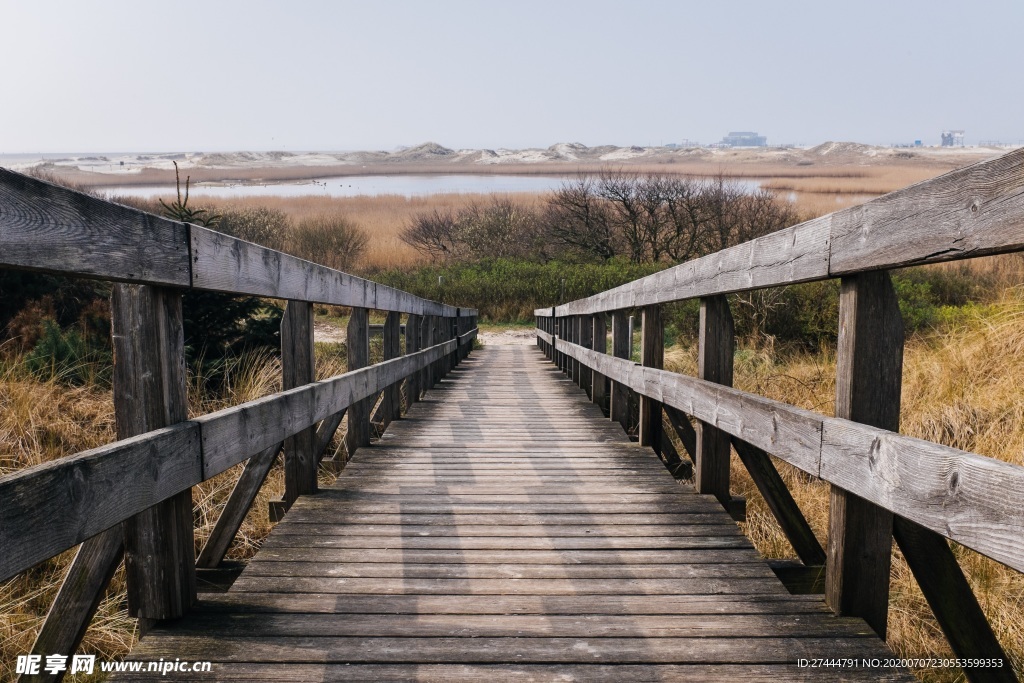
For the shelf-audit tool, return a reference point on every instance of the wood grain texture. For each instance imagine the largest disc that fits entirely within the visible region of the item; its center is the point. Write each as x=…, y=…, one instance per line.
x=599, y=343
x=56, y=505
x=967, y=498
x=53, y=229
x=487, y=526
x=237, y=507
x=780, y=501
x=57, y=230
x=951, y=598
x=714, y=364
x=80, y=594
x=298, y=369
x=392, y=404
x=225, y=264
x=358, y=346
x=968, y=212
x=869, y=363
x=791, y=255
x=652, y=355
x=149, y=387
x=619, y=406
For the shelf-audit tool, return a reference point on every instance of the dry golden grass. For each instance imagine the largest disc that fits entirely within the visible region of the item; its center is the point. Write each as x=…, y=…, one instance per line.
x=382, y=217
x=43, y=421
x=960, y=388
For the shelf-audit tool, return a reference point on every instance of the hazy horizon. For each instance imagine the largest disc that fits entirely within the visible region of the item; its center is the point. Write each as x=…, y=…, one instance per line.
x=122, y=77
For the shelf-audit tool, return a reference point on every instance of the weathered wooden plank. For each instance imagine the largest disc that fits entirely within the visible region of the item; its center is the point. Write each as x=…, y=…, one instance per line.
x=225, y=264
x=53, y=229
x=714, y=557
x=467, y=529
x=471, y=572
x=967, y=498
x=549, y=650
x=392, y=404
x=952, y=600
x=619, y=409
x=652, y=355
x=505, y=586
x=150, y=393
x=487, y=673
x=237, y=507
x=298, y=369
x=796, y=254
x=714, y=363
x=497, y=543
x=304, y=603
x=78, y=599
x=524, y=626
x=968, y=212
x=780, y=501
x=56, y=505
x=869, y=363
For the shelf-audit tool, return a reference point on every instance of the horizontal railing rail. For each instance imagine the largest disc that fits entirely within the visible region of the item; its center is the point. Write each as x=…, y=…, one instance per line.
x=974, y=211
x=48, y=228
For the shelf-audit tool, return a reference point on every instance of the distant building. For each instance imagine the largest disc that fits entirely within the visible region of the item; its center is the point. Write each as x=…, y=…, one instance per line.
x=952, y=138
x=742, y=138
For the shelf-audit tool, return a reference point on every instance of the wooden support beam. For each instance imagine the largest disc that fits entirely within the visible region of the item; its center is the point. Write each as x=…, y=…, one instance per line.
x=237, y=507
x=799, y=579
x=358, y=434
x=412, y=345
x=150, y=393
x=952, y=601
x=392, y=405
x=652, y=355
x=620, y=349
x=714, y=362
x=78, y=599
x=298, y=368
x=779, y=500
x=586, y=332
x=599, y=337
x=869, y=364
x=684, y=430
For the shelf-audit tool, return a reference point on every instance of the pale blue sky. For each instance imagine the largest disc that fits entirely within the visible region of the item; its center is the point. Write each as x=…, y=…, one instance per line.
x=199, y=76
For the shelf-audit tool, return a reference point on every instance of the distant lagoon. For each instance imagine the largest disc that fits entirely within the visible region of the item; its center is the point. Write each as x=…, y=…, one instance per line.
x=407, y=185
x=354, y=186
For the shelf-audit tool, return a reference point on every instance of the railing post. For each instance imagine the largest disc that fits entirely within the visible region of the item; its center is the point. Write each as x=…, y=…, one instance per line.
x=619, y=409
x=392, y=349
x=869, y=364
x=412, y=345
x=714, y=363
x=358, y=342
x=150, y=393
x=599, y=342
x=652, y=355
x=586, y=333
x=426, y=340
x=298, y=367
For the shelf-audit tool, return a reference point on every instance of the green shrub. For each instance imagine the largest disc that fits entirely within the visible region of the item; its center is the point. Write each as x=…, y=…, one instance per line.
x=66, y=356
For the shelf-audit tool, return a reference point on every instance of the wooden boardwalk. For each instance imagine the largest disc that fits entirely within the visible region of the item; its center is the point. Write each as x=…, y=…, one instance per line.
x=506, y=530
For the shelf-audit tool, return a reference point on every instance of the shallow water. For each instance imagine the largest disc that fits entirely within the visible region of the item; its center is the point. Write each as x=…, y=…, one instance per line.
x=353, y=186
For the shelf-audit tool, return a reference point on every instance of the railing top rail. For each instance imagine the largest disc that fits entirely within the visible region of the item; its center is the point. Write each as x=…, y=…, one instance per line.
x=973, y=211
x=48, y=228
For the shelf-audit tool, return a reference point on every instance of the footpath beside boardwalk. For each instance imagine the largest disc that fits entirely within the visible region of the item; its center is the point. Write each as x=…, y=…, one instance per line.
x=506, y=530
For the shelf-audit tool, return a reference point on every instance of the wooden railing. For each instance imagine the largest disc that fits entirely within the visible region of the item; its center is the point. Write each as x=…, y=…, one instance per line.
x=884, y=485
x=132, y=498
